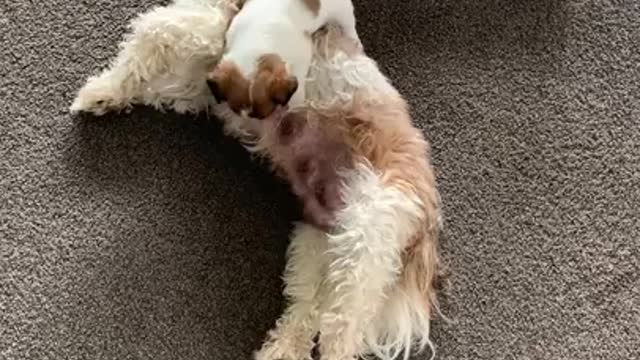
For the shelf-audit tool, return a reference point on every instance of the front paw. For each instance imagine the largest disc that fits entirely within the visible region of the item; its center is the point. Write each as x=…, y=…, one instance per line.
x=98, y=97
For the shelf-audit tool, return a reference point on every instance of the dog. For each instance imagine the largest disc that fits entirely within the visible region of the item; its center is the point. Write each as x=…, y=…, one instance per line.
x=364, y=270
x=268, y=52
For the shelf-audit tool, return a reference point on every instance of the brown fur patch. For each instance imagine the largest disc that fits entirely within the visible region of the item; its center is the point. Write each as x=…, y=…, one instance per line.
x=272, y=86
x=383, y=134
x=313, y=5
x=227, y=84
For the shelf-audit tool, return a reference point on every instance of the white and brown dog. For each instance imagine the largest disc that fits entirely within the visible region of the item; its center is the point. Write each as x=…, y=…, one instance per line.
x=268, y=52
x=362, y=270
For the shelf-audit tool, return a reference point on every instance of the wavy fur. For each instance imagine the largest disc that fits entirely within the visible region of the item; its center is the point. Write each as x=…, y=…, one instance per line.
x=163, y=60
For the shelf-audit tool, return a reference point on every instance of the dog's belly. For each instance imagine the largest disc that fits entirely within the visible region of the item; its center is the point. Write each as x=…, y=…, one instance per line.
x=311, y=161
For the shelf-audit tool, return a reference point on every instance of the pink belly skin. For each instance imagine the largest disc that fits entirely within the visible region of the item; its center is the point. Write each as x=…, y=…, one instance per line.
x=311, y=161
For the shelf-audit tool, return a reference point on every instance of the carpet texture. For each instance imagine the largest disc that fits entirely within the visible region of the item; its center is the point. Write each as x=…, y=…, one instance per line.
x=152, y=236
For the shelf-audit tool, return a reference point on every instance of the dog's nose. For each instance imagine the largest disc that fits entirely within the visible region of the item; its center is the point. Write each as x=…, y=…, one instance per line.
x=256, y=115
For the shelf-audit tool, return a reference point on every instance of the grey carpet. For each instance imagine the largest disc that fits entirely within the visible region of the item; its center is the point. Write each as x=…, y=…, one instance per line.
x=152, y=236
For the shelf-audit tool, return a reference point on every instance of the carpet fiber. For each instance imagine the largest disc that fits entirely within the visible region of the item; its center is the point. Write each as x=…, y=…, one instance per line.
x=152, y=236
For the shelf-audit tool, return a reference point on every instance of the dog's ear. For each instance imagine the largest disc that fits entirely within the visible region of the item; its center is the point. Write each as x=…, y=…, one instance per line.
x=282, y=89
x=272, y=86
x=227, y=84
x=262, y=104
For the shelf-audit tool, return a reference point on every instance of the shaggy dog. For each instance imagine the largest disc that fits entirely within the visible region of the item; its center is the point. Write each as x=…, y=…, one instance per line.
x=364, y=276
x=362, y=271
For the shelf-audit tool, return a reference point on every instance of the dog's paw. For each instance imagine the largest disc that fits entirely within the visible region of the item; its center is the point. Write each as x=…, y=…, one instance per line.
x=282, y=350
x=98, y=97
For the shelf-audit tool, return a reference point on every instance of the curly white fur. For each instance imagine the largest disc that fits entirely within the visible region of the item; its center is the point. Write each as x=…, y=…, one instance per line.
x=163, y=60
x=364, y=263
x=335, y=75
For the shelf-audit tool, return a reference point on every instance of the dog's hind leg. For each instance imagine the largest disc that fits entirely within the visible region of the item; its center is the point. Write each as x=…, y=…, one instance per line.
x=365, y=262
x=292, y=338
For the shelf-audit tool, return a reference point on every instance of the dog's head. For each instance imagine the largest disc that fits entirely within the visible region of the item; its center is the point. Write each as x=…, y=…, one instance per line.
x=271, y=86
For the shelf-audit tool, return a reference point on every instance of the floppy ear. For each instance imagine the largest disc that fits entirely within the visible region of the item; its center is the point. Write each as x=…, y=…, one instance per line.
x=283, y=89
x=262, y=104
x=228, y=85
x=272, y=86
x=268, y=91
x=215, y=81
